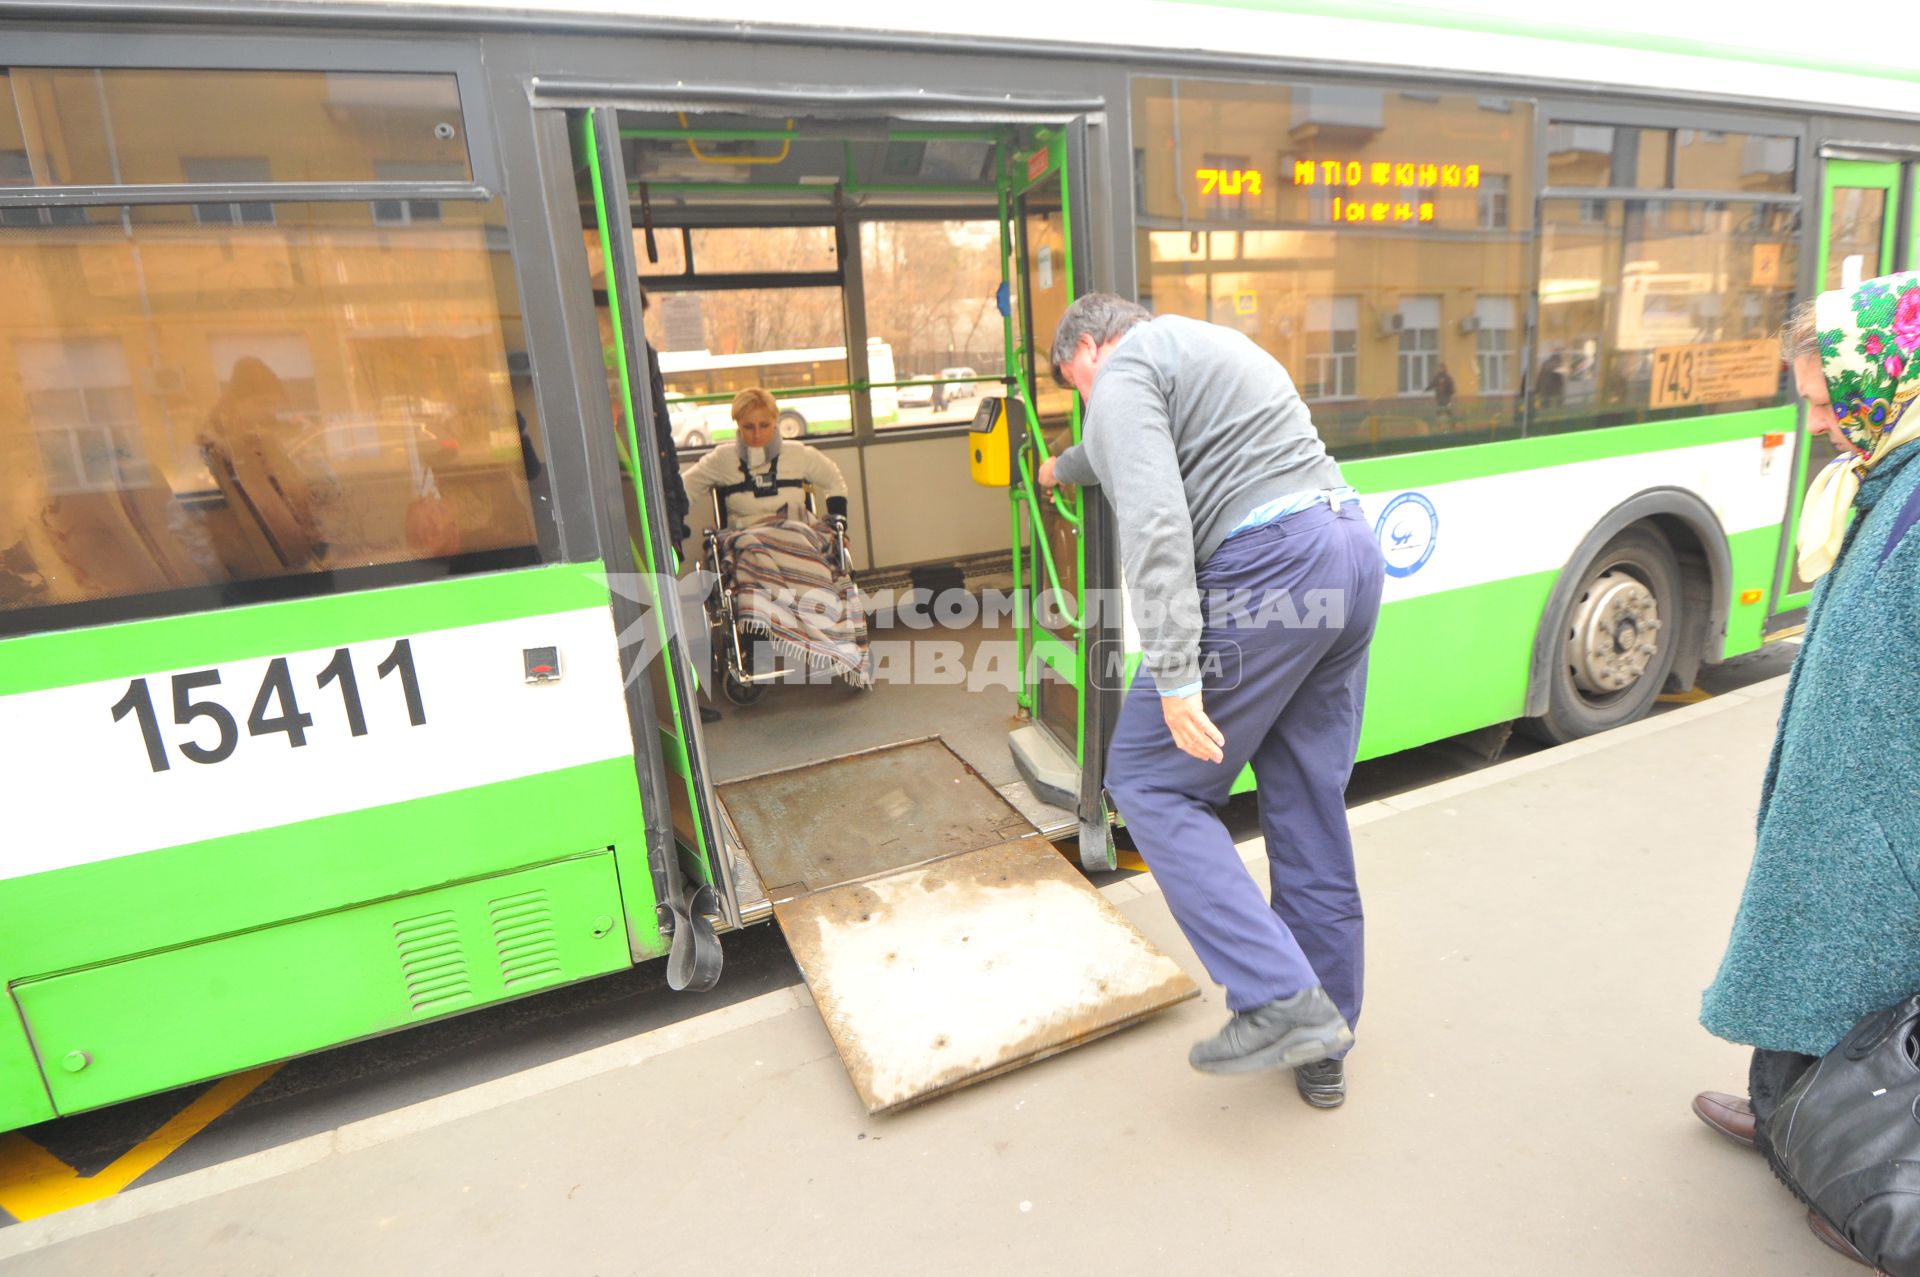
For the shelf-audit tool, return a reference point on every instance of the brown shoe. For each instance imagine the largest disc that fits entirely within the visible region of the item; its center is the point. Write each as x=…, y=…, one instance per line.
x=1818, y=1225
x=1730, y=1115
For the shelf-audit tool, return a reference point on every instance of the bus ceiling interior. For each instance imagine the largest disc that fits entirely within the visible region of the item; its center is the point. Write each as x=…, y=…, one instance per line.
x=852, y=268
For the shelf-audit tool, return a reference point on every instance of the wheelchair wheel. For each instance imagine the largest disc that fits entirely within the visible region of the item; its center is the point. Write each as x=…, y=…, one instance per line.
x=732, y=686
x=739, y=693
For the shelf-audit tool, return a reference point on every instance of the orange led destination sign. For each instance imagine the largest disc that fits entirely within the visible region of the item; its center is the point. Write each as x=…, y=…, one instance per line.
x=1228, y=181
x=1353, y=176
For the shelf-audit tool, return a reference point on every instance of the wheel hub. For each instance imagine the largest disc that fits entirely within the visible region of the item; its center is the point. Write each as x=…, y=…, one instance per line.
x=1613, y=634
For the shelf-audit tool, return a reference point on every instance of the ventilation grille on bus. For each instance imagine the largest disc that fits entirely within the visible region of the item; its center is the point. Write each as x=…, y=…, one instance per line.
x=524, y=937
x=432, y=964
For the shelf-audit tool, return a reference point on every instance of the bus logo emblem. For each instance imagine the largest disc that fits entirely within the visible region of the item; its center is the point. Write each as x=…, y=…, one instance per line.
x=1407, y=530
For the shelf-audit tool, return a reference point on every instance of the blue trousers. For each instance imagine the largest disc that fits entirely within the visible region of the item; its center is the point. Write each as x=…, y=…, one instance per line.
x=1285, y=672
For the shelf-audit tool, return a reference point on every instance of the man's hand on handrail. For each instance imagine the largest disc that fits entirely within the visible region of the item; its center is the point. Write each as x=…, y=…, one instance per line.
x=1045, y=477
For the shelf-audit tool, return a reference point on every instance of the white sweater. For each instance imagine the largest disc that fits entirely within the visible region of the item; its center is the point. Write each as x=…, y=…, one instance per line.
x=721, y=468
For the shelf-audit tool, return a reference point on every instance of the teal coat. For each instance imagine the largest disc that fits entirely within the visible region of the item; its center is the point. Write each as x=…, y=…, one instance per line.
x=1829, y=926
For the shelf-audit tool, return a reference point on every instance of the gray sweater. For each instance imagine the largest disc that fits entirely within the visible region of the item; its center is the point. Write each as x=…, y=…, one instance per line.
x=1190, y=428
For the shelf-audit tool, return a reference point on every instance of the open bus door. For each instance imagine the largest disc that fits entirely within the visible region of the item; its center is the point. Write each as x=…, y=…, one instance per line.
x=1062, y=541
x=1862, y=236
x=693, y=872
x=943, y=937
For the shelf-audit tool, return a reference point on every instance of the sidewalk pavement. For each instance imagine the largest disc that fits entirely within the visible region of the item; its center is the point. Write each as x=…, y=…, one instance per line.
x=1539, y=936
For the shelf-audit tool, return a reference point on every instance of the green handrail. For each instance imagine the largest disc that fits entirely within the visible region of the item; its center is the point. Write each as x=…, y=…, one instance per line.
x=1040, y=539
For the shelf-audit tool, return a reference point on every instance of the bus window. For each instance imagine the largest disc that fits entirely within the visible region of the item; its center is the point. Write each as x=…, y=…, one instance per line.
x=1375, y=242
x=773, y=250
x=1639, y=297
x=930, y=295
x=715, y=343
x=669, y=246
x=135, y=126
x=210, y=403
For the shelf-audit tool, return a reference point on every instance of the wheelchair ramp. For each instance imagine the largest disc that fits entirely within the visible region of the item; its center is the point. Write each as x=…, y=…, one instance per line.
x=943, y=940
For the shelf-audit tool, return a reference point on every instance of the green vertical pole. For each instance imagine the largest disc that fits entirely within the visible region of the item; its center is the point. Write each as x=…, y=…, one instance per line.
x=1023, y=614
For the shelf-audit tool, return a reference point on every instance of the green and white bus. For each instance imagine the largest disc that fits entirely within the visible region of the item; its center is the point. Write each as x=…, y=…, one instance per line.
x=338, y=689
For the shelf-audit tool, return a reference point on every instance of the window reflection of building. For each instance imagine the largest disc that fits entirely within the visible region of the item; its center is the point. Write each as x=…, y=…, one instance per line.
x=1493, y=201
x=1453, y=284
x=1496, y=344
x=215, y=390
x=79, y=398
x=1332, y=347
x=1315, y=267
x=1419, y=343
x=230, y=169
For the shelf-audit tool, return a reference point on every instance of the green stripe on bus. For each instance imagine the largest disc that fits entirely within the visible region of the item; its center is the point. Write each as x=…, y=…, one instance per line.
x=1509, y=456
x=36, y=662
x=84, y=914
x=1384, y=11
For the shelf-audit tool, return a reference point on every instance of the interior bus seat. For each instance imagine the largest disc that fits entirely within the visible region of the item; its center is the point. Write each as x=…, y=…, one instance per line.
x=269, y=498
x=115, y=541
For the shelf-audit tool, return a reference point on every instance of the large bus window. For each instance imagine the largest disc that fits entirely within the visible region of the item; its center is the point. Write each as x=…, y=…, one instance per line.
x=1608, y=155
x=199, y=403
x=1373, y=241
x=669, y=254
x=73, y=126
x=772, y=250
x=1659, y=308
x=1704, y=160
x=712, y=345
x=930, y=296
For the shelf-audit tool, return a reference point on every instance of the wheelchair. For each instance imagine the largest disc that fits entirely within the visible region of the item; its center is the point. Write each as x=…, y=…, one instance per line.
x=733, y=646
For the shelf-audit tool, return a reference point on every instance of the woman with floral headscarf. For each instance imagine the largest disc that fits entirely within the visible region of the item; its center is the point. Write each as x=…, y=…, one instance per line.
x=1829, y=926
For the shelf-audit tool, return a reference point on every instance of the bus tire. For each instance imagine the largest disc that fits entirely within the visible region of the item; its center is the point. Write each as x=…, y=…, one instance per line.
x=1617, y=636
x=694, y=439
x=792, y=424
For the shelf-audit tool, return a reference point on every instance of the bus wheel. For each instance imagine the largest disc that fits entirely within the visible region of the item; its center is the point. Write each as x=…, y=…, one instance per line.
x=1617, y=635
x=694, y=439
x=792, y=424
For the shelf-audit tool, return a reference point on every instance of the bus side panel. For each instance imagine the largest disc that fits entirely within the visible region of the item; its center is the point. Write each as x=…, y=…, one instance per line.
x=1453, y=662
x=1754, y=555
x=124, y=1029
x=23, y=1092
x=115, y=858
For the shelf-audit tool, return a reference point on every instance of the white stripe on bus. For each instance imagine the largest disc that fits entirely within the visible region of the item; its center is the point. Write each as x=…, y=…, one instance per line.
x=90, y=792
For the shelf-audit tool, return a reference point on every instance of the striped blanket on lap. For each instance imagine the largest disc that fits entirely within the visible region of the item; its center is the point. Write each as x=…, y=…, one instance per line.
x=785, y=588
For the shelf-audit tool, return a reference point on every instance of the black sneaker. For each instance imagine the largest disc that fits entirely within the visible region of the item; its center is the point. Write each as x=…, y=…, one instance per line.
x=1323, y=1085
x=1283, y=1033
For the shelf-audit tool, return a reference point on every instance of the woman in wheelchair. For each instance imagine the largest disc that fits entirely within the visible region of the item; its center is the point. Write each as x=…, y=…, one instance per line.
x=759, y=474
x=785, y=578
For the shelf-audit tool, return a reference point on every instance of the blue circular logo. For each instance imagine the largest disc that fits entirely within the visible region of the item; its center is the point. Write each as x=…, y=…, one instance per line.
x=1406, y=531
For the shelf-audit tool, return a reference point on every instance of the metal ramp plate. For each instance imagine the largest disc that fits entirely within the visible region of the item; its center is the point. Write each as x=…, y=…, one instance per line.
x=943, y=939
x=822, y=824
x=935, y=977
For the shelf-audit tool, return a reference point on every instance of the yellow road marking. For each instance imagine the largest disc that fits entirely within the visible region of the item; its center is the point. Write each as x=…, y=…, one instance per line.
x=33, y=1182
x=1693, y=697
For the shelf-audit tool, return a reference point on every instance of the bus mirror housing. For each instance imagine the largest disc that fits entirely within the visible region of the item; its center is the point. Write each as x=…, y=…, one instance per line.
x=990, y=440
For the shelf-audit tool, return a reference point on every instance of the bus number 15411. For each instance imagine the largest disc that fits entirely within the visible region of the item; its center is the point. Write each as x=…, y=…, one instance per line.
x=275, y=709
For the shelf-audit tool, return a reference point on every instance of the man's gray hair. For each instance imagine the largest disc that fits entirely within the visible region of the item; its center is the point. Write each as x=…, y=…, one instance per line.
x=1101, y=316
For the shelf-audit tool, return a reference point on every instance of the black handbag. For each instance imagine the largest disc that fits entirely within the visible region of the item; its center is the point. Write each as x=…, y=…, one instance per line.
x=1847, y=1137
